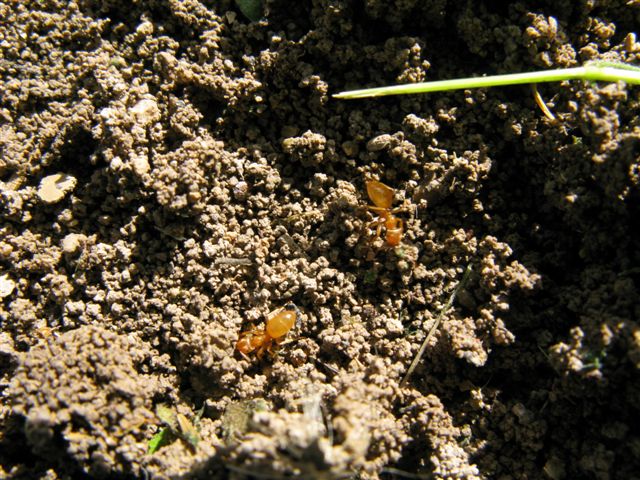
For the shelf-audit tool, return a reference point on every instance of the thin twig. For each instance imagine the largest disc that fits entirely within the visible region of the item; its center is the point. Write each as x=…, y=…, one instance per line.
x=435, y=325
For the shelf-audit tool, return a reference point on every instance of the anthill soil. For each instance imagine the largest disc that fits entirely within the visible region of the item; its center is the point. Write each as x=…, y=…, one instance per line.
x=206, y=178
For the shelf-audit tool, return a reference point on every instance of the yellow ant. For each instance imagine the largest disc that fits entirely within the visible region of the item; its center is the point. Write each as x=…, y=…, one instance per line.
x=269, y=337
x=382, y=197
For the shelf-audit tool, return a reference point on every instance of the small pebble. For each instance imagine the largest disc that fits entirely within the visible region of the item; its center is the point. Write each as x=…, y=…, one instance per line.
x=146, y=111
x=6, y=286
x=72, y=242
x=53, y=188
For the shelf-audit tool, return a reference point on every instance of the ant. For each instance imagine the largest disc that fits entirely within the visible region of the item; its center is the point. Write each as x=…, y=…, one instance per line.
x=267, y=339
x=382, y=197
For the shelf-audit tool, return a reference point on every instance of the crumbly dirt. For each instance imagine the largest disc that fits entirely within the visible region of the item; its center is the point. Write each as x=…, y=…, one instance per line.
x=210, y=179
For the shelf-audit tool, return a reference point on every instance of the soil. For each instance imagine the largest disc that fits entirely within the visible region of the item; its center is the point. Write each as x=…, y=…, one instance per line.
x=172, y=172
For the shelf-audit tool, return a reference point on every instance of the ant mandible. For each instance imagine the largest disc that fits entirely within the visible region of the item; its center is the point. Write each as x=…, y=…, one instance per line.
x=382, y=197
x=269, y=337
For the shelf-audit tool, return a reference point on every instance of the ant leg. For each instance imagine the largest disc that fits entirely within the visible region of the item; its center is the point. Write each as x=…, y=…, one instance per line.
x=379, y=230
x=405, y=207
x=378, y=223
x=377, y=209
x=272, y=347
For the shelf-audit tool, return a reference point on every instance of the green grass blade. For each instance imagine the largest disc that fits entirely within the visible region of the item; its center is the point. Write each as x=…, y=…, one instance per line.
x=162, y=438
x=595, y=71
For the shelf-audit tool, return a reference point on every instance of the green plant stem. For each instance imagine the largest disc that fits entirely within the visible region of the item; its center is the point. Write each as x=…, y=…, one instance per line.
x=594, y=71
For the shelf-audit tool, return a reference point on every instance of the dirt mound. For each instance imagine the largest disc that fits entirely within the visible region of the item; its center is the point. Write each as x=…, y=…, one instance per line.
x=172, y=172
